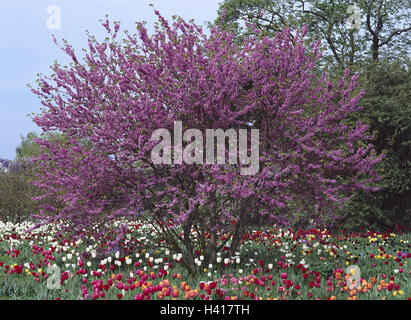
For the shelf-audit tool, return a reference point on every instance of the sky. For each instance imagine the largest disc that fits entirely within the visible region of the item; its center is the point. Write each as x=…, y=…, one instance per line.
x=27, y=48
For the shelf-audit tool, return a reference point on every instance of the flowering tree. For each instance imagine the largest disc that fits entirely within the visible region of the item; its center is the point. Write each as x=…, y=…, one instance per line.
x=108, y=107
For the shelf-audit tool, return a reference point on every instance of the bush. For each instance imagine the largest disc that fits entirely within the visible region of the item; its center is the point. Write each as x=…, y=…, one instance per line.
x=16, y=190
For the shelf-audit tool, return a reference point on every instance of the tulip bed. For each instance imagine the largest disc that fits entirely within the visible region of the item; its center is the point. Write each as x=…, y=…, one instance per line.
x=273, y=263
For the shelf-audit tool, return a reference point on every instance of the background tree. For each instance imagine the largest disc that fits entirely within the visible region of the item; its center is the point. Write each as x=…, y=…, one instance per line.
x=385, y=26
x=387, y=110
x=16, y=190
x=28, y=148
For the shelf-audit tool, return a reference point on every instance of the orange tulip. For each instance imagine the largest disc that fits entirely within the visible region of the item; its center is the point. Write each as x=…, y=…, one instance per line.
x=183, y=285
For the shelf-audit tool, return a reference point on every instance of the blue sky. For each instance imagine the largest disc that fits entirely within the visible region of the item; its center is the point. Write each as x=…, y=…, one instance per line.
x=26, y=46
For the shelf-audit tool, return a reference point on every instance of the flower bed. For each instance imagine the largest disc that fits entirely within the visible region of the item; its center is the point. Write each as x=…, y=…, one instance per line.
x=270, y=264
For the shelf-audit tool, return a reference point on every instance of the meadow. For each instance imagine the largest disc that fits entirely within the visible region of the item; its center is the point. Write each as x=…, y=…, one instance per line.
x=271, y=263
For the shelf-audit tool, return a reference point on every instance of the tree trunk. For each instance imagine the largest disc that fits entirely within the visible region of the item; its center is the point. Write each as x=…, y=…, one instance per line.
x=189, y=260
x=238, y=233
x=375, y=47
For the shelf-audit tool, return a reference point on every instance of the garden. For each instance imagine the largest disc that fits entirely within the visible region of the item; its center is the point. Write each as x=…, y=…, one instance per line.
x=272, y=264
x=87, y=214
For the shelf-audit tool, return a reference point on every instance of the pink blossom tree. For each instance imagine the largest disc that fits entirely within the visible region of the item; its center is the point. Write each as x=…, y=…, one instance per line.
x=108, y=106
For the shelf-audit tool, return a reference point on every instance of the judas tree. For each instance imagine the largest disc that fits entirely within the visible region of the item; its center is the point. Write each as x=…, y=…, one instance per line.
x=109, y=105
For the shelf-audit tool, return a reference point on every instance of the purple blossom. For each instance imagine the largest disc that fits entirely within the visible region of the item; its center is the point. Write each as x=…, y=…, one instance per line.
x=308, y=160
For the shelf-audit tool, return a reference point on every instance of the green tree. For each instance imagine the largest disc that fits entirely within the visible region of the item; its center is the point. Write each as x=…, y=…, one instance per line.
x=384, y=26
x=387, y=109
x=27, y=148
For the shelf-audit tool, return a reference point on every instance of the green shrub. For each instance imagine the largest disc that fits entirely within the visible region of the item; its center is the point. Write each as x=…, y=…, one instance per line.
x=16, y=191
